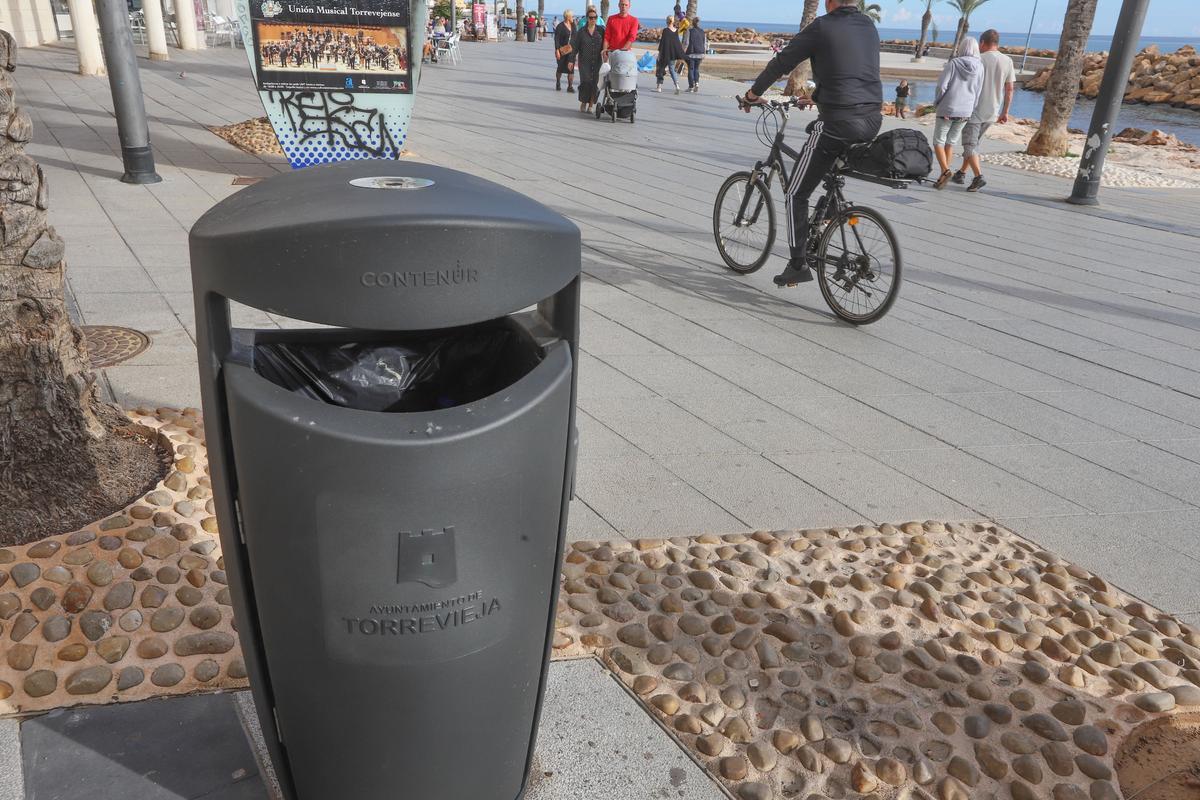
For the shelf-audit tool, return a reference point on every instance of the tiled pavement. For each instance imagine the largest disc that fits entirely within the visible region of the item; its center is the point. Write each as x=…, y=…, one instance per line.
x=1042, y=366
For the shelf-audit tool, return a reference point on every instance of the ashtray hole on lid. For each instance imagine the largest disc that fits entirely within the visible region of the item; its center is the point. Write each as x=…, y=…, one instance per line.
x=391, y=182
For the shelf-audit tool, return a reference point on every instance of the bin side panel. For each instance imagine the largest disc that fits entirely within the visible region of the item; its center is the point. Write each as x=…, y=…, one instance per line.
x=403, y=582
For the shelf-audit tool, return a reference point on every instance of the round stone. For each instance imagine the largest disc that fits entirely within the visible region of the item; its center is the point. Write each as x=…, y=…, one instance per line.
x=1072, y=712
x=20, y=656
x=188, y=595
x=160, y=547
x=205, y=617
x=100, y=573
x=44, y=549
x=130, y=677
x=1091, y=739
x=23, y=626
x=206, y=670
x=119, y=596
x=1047, y=727
x=76, y=598
x=129, y=558
x=56, y=628
x=40, y=683
x=237, y=669
x=1059, y=758
x=130, y=621
x=89, y=680
x=42, y=597
x=1155, y=702
x=153, y=596
x=734, y=768
x=151, y=648
x=166, y=619
x=95, y=624
x=25, y=573
x=753, y=790
x=762, y=755
x=167, y=675
x=113, y=649
x=977, y=727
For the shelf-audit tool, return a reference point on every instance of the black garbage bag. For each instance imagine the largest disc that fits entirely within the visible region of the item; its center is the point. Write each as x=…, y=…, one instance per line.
x=416, y=372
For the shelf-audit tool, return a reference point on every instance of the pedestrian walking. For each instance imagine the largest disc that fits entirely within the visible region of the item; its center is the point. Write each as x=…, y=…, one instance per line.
x=588, y=46
x=999, y=83
x=902, y=92
x=670, y=50
x=694, y=48
x=564, y=56
x=531, y=23
x=957, y=95
x=620, y=32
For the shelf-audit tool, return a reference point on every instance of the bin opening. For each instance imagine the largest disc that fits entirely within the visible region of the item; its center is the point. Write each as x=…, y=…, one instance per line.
x=404, y=372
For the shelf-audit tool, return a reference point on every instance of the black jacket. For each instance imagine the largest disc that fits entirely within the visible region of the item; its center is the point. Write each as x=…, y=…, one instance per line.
x=695, y=45
x=844, y=48
x=669, y=48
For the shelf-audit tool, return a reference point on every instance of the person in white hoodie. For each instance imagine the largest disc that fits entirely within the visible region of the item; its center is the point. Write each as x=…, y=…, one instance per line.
x=958, y=92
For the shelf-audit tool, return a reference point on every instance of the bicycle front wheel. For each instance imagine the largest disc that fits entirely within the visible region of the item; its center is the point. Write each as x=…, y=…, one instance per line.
x=859, y=265
x=744, y=222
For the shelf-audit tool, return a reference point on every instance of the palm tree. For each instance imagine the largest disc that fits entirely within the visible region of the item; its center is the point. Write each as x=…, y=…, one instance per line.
x=604, y=9
x=926, y=21
x=965, y=8
x=872, y=10
x=1051, y=137
x=691, y=9
x=800, y=74
x=520, y=20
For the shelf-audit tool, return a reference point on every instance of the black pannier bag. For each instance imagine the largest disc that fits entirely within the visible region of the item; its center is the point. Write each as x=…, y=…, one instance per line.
x=902, y=154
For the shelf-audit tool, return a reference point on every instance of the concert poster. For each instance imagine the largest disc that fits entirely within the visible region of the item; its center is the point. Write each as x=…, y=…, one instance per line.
x=358, y=46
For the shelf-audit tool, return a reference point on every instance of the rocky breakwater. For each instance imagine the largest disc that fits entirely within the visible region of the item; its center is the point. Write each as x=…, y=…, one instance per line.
x=717, y=36
x=1170, y=79
x=1012, y=51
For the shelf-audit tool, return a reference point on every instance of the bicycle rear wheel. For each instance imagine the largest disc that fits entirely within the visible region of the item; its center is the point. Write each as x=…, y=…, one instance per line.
x=744, y=240
x=859, y=265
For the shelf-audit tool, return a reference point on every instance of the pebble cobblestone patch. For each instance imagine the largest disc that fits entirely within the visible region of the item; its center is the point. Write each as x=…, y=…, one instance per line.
x=933, y=660
x=130, y=607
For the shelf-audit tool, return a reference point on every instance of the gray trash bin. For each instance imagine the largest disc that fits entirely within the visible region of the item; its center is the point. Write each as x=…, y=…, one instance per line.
x=393, y=572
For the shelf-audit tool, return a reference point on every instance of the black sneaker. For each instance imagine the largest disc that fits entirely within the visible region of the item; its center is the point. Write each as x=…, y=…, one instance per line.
x=570, y=90
x=796, y=271
x=977, y=184
x=960, y=178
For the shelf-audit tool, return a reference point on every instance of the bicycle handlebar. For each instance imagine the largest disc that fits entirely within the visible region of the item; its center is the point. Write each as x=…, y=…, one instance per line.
x=792, y=102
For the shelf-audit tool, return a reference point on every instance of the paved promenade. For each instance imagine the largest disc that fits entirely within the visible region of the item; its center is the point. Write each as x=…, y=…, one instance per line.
x=1042, y=367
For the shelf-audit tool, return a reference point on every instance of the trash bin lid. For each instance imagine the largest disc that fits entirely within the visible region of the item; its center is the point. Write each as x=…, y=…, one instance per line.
x=384, y=245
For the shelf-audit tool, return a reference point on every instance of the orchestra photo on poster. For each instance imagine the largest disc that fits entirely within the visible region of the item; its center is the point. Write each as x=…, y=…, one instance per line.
x=360, y=47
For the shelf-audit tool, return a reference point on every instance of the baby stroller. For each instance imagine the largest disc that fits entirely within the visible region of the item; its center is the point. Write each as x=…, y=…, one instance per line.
x=618, y=86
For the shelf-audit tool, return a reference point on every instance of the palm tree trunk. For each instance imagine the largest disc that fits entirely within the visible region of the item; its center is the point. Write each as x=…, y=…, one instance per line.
x=63, y=459
x=691, y=10
x=604, y=6
x=926, y=20
x=520, y=20
x=1051, y=138
x=541, y=9
x=801, y=73
x=964, y=25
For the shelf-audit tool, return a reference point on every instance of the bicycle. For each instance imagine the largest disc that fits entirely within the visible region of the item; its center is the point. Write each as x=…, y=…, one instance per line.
x=853, y=248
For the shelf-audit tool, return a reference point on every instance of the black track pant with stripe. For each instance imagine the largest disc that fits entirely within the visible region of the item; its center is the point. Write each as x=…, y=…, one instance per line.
x=827, y=139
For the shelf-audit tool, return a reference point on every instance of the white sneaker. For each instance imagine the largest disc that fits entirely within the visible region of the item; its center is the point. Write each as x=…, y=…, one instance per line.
x=658, y=89
x=676, y=90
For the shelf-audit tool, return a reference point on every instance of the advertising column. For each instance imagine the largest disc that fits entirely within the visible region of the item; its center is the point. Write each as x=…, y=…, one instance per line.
x=336, y=80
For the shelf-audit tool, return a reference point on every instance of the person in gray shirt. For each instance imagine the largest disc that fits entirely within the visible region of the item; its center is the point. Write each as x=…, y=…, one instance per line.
x=999, y=83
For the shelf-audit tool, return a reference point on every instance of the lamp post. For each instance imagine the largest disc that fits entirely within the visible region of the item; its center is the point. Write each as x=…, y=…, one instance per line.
x=1029, y=36
x=126, y=85
x=1108, y=103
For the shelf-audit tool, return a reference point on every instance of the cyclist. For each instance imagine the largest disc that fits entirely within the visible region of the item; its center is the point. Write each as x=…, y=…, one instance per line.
x=843, y=46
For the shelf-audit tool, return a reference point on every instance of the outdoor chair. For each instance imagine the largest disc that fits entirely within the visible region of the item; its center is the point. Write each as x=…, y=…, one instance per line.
x=448, y=48
x=221, y=29
x=137, y=25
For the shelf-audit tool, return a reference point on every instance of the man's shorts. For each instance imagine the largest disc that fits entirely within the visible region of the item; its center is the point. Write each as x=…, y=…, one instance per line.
x=948, y=130
x=972, y=135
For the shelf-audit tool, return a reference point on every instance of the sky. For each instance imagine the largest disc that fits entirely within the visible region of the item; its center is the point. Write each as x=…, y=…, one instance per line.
x=1165, y=18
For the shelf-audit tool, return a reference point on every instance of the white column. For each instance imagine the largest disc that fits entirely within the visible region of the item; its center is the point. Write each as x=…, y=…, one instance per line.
x=87, y=37
x=185, y=22
x=156, y=32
